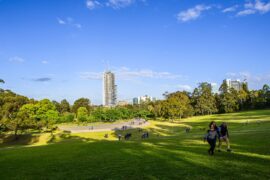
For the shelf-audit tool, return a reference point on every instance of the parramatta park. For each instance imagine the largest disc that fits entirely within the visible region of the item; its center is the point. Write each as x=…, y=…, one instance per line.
x=134, y=90
x=165, y=139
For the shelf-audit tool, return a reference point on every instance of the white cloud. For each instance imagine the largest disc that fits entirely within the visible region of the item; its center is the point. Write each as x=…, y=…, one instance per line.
x=44, y=62
x=16, y=59
x=91, y=75
x=262, y=7
x=119, y=3
x=192, y=13
x=184, y=87
x=246, y=12
x=230, y=9
x=92, y=4
x=255, y=7
x=115, y=4
x=69, y=22
x=125, y=73
x=60, y=21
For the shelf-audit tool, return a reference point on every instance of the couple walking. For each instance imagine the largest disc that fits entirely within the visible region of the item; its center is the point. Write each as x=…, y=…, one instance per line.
x=221, y=133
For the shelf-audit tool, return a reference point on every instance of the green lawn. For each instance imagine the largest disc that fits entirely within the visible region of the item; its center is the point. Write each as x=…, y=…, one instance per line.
x=169, y=153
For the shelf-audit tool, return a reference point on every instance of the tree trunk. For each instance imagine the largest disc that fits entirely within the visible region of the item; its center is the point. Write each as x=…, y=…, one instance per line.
x=16, y=133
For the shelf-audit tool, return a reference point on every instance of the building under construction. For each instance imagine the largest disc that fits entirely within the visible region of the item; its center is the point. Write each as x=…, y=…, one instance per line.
x=109, y=89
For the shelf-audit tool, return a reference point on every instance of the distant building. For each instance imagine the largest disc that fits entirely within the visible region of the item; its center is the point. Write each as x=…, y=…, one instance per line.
x=142, y=99
x=122, y=103
x=135, y=101
x=235, y=84
x=109, y=89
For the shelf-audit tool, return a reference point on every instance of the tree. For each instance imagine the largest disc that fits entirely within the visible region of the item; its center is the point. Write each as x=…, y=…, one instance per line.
x=82, y=114
x=10, y=103
x=177, y=105
x=64, y=106
x=228, y=101
x=20, y=120
x=46, y=113
x=224, y=88
x=203, y=99
x=82, y=102
x=266, y=94
x=57, y=106
x=242, y=97
x=2, y=81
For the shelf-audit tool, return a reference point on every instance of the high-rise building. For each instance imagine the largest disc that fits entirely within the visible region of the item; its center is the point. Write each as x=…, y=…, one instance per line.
x=109, y=89
x=235, y=84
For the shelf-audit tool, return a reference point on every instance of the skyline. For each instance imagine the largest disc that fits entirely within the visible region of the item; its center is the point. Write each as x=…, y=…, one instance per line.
x=59, y=49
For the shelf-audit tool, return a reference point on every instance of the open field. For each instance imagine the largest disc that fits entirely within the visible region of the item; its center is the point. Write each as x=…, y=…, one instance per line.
x=169, y=153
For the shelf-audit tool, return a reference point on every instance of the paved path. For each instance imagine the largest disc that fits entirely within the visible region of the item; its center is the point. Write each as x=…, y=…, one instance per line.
x=136, y=123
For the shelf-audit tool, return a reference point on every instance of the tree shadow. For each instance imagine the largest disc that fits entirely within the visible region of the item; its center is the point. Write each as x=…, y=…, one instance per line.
x=74, y=157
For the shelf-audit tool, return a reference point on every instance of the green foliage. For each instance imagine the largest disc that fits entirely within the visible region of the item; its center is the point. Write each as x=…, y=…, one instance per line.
x=67, y=117
x=64, y=106
x=203, y=100
x=44, y=113
x=82, y=102
x=82, y=114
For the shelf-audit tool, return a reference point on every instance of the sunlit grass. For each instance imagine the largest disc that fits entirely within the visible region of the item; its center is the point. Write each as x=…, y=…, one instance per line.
x=169, y=153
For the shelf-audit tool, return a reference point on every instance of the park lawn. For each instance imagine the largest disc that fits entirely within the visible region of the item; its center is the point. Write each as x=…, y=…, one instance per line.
x=169, y=153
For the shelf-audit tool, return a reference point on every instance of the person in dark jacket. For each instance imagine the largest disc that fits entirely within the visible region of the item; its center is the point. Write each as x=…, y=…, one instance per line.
x=211, y=137
x=224, y=137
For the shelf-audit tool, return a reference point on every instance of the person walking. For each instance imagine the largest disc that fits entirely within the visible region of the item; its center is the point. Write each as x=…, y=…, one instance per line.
x=211, y=137
x=224, y=137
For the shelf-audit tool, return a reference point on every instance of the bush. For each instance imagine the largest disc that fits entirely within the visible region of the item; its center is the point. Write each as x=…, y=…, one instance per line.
x=67, y=117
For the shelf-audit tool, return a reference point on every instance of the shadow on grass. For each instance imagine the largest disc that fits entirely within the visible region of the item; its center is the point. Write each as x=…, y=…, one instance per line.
x=8, y=140
x=74, y=157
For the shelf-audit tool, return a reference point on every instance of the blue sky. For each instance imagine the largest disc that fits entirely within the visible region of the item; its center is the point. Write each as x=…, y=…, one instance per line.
x=58, y=49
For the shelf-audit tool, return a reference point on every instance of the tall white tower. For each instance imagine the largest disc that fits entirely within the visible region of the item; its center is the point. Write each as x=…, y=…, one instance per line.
x=109, y=89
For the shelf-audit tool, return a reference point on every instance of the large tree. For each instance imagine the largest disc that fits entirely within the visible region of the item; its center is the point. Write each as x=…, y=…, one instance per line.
x=228, y=99
x=64, y=106
x=203, y=99
x=82, y=102
x=177, y=105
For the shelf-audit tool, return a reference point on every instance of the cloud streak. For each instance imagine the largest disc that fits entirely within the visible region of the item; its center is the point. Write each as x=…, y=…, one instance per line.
x=124, y=73
x=254, y=7
x=43, y=79
x=16, y=59
x=115, y=4
x=192, y=13
x=69, y=22
x=44, y=62
x=230, y=9
x=184, y=87
x=92, y=4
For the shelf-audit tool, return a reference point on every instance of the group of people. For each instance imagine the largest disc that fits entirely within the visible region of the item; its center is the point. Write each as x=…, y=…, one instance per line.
x=127, y=136
x=215, y=133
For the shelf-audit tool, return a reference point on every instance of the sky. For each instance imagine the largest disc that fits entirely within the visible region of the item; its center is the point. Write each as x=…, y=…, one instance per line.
x=58, y=49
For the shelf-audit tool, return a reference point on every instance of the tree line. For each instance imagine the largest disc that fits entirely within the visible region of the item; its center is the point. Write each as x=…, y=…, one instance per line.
x=19, y=113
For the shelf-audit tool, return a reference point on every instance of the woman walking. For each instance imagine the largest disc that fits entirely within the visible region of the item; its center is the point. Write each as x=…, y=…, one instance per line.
x=211, y=137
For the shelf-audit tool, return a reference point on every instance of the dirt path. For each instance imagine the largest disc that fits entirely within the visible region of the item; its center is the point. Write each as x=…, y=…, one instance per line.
x=136, y=123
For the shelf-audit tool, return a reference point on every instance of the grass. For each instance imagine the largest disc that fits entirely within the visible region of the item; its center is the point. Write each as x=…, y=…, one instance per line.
x=169, y=153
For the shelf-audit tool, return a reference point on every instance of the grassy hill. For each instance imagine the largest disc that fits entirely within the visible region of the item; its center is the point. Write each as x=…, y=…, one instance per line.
x=169, y=153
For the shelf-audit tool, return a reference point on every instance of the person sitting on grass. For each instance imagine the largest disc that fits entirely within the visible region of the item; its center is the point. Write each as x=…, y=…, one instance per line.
x=211, y=137
x=224, y=136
